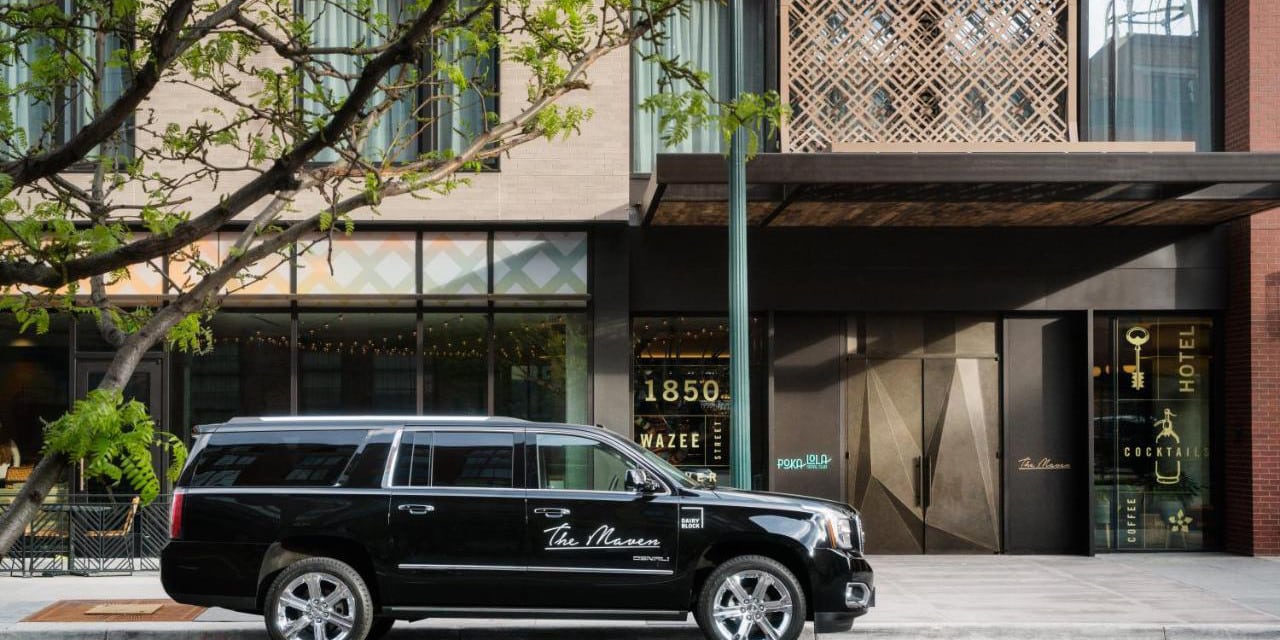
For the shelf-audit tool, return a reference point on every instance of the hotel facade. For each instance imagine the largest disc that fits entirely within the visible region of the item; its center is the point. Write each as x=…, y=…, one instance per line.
x=1014, y=279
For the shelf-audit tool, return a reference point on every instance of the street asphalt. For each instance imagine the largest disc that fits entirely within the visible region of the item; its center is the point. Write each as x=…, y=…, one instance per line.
x=1133, y=597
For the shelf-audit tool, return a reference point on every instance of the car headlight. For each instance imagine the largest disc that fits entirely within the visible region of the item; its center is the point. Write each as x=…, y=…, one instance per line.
x=840, y=531
x=862, y=533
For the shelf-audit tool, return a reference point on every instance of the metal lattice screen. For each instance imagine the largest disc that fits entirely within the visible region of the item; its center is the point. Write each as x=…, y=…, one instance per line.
x=927, y=71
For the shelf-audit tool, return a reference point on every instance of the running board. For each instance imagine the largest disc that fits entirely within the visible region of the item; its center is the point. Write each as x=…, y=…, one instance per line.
x=550, y=614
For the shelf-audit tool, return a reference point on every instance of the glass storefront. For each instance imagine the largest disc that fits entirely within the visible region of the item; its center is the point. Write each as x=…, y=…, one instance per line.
x=680, y=392
x=455, y=363
x=360, y=363
x=34, y=387
x=246, y=373
x=1154, y=381
x=375, y=363
x=540, y=369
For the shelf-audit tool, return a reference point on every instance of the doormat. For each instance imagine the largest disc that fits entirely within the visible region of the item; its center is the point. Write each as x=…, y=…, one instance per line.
x=116, y=611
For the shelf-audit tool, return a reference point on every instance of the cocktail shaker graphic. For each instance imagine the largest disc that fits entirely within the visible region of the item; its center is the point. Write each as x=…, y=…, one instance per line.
x=1168, y=466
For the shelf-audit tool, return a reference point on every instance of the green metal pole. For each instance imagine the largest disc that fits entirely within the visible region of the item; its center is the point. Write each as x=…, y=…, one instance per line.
x=739, y=329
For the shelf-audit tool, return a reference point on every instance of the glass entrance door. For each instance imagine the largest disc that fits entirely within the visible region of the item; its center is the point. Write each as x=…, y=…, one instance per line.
x=923, y=433
x=146, y=387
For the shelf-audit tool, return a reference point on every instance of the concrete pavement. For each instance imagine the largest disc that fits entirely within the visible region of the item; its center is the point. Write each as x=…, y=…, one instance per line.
x=1134, y=597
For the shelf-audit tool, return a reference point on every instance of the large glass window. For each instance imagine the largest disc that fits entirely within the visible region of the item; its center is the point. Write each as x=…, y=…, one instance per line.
x=580, y=464
x=1151, y=70
x=34, y=387
x=371, y=462
x=276, y=459
x=472, y=460
x=245, y=374
x=41, y=117
x=456, y=114
x=375, y=363
x=680, y=391
x=540, y=370
x=455, y=363
x=357, y=363
x=1153, y=389
x=699, y=34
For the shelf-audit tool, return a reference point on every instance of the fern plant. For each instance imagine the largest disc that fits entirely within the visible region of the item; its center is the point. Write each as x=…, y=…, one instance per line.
x=115, y=440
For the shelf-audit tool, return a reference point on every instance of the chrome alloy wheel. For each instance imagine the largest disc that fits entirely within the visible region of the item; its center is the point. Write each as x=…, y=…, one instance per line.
x=316, y=606
x=751, y=605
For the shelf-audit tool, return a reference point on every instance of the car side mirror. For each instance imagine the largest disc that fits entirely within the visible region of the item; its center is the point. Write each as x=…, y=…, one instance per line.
x=640, y=482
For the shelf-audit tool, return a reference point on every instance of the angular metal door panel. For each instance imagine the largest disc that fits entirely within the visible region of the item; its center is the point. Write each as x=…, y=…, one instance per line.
x=961, y=427
x=889, y=433
x=924, y=432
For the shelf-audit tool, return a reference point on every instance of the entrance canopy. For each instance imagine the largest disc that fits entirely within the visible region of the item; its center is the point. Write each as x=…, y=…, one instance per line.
x=967, y=189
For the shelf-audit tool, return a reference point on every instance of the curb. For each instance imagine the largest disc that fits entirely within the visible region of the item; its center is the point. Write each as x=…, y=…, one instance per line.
x=1067, y=631
x=887, y=631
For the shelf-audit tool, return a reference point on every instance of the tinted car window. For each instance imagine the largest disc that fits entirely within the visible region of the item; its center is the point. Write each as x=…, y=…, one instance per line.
x=573, y=462
x=368, y=466
x=463, y=459
x=276, y=458
x=413, y=463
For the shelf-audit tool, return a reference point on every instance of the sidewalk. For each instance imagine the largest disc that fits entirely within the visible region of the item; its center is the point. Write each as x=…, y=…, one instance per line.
x=1134, y=597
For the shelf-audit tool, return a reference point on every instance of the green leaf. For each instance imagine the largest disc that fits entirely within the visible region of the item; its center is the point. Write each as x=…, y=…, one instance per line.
x=114, y=438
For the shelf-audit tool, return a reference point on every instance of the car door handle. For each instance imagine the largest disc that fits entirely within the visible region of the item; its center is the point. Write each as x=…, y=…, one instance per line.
x=552, y=512
x=417, y=509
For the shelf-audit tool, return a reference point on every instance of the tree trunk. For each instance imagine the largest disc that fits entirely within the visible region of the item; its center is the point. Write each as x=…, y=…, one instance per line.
x=14, y=521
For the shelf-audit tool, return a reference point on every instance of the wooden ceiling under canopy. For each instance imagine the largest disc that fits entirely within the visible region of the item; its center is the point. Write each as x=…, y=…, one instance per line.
x=957, y=189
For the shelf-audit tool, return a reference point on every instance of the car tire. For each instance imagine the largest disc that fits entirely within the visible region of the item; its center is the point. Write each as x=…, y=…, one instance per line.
x=342, y=608
x=766, y=593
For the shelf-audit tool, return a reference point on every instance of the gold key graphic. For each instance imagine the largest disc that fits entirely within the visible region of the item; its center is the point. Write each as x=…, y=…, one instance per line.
x=1137, y=336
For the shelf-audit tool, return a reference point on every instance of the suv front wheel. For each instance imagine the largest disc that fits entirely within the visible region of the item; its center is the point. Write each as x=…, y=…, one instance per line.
x=751, y=598
x=319, y=599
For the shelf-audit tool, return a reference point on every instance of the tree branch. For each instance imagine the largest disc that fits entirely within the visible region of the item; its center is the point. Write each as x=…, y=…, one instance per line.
x=279, y=177
x=166, y=46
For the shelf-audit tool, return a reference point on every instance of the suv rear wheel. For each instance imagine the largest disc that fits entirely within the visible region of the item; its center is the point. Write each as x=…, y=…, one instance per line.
x=319, y=599
x=751, y=598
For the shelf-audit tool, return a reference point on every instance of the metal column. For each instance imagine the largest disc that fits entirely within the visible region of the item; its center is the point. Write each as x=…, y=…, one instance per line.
x=739, y=329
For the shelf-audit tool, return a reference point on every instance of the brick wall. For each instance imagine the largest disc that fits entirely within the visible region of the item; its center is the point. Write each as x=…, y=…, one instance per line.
x=1252, y=429
x=1251, y=75
x=1235, y=77
x=1252, y=347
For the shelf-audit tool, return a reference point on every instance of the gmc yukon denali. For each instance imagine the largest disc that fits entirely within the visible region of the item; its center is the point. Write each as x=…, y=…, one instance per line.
x=334, y=528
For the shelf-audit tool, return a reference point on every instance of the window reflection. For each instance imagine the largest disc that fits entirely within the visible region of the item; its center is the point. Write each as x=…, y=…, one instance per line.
x=472, y=460
x=298, y=459
x=245, y=374
x=357, y=363
x=681, y=394
x=579, y=464
x=1153, y=429
x=541, y=366
x=456, y=363
x=1150, y=70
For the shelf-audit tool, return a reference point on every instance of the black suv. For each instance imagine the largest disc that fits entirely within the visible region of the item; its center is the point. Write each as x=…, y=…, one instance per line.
x=333, y=528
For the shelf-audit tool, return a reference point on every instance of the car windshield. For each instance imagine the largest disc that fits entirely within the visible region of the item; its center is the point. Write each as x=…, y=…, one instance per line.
x=665, y=468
